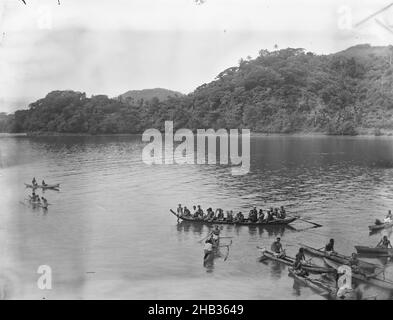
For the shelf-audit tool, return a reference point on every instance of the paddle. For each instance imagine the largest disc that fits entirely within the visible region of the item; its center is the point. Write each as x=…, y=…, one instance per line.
x=313, y=223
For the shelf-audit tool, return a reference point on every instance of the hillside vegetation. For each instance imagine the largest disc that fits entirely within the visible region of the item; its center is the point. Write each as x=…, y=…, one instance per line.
x=148, y=94
x=283, y=91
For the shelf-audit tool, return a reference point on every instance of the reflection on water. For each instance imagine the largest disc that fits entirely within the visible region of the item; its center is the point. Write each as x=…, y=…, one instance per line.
x=109, y=233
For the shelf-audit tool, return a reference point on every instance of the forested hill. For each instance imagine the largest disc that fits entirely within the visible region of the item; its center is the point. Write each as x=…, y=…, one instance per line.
x=148, y=94
x=285, y=91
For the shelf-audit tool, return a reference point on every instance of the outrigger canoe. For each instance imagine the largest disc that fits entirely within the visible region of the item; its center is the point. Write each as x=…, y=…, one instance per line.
x=339, y=258
x=321, y=287
x=381, y=226
x=47, y=186
x=289, y=261
x=374, y=280
x=245, y=222
x=375, y=250
x=37, y=204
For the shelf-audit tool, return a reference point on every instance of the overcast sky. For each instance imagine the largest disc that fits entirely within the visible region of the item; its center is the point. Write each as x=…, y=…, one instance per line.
x=111, y=46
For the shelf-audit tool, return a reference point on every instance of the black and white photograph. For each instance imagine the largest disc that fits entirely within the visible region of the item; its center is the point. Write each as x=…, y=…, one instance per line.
x=216, y=150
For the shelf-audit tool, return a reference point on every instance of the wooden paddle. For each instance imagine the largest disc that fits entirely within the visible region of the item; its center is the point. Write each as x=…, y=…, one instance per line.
x=313, y=223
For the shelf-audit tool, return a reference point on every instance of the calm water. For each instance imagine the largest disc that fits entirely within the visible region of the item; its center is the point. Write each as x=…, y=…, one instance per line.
x=109, y=232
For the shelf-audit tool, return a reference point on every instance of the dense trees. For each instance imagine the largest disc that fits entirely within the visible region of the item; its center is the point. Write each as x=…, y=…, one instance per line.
x=285, y=90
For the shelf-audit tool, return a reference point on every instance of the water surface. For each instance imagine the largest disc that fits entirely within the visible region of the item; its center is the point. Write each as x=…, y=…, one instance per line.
x=109, y=233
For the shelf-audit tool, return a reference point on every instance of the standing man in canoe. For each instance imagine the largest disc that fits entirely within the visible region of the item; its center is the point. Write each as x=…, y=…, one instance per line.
x=179, y=210
x=208, y=249
x=277, y=248
x=34, y=182
x=384, y=243
x=44, y=203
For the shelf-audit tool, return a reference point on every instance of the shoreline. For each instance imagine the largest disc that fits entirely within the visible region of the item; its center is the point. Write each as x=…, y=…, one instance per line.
x=362, y=133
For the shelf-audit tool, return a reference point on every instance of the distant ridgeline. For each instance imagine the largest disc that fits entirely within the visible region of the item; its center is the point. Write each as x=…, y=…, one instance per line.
x=283, y=91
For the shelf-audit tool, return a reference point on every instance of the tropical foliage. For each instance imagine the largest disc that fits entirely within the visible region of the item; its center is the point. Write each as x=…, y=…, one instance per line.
x=285, y=91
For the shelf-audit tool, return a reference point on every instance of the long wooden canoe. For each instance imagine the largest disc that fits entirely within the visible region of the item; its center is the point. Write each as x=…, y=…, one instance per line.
x=339, y=258
x=289, y=261
x=374, y=250
x=243, y=223
x=321, y=287
x=375, y=280
x=47, y=186
x=385, y=225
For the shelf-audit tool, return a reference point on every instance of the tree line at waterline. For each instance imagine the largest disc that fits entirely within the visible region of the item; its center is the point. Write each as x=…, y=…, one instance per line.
x=281, y=91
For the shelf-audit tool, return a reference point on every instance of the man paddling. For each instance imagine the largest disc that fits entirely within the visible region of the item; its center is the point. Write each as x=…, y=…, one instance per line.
x=384, y=243
x=277, y=249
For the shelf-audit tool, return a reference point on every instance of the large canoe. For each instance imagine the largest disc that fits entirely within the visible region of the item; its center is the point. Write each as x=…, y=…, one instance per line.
x=381, y=226
x=375, y=280
x=47, y=186
x=339, y=258
x=375, y=250
x=289, y=261
x=244, y=223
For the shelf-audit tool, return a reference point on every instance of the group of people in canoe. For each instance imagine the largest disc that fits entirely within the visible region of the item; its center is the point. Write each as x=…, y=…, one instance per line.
x=254, y=214
x=38, y=200
x=35, y=198
x=35, y=184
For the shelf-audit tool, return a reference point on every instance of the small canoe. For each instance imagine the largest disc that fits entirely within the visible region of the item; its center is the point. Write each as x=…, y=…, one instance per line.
x=339, y=258
x=321, y=287
x=375, y=280
x=47, y=186
x=245, y=222
x=37, y=204
x=381, y=226
x=375, y=250
x=289, y=261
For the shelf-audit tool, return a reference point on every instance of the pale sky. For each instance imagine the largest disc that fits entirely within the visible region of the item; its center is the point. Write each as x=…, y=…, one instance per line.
x=111, y=46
